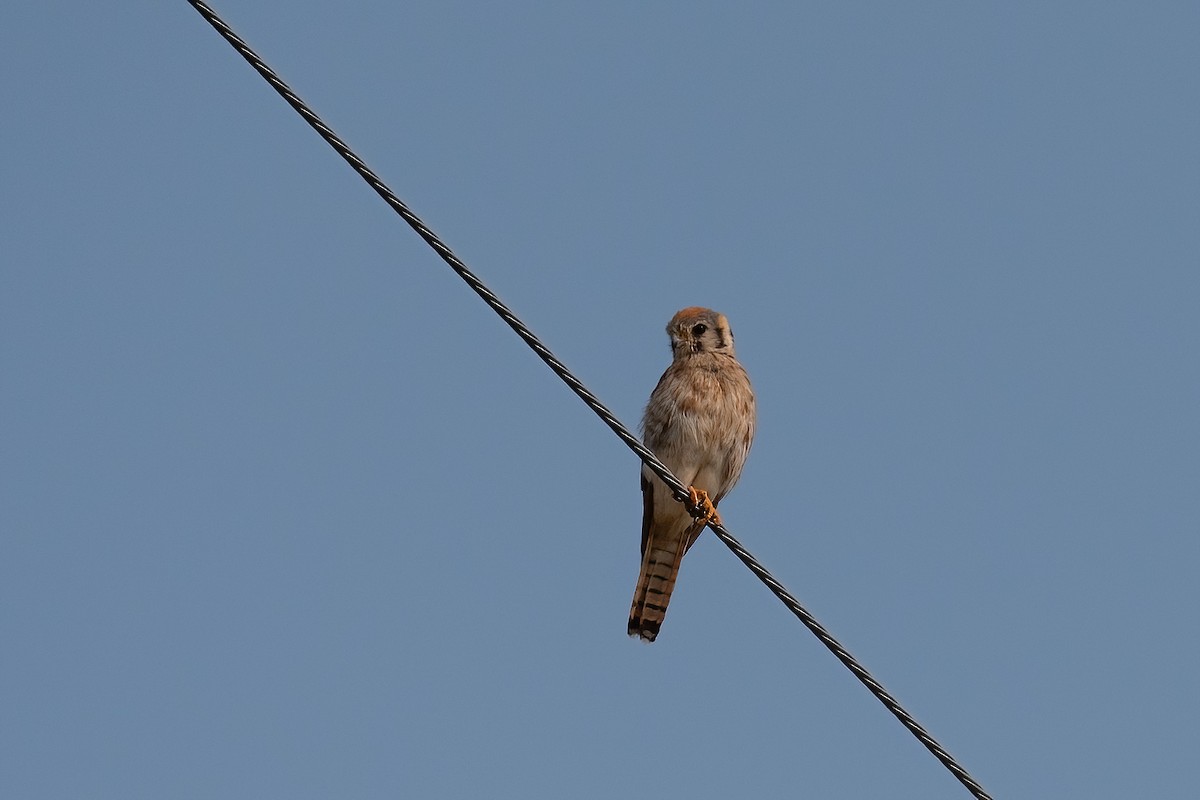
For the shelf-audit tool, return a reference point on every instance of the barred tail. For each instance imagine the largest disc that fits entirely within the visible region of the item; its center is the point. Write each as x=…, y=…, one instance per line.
x=660, y=568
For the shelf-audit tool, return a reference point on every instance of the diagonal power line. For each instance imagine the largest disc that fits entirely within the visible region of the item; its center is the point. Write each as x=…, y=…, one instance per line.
x=577, y=386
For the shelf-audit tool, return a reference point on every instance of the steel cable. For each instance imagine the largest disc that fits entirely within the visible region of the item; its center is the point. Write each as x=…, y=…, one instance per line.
x=577, y=386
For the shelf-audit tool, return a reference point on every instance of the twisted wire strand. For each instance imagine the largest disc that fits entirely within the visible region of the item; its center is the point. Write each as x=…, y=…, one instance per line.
x=623, y=433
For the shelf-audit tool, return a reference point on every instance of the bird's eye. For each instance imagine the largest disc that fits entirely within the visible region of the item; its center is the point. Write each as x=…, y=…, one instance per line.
x=699, y=329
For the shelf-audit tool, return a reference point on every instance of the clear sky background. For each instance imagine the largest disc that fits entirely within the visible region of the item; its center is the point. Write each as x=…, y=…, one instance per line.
x=286, y=512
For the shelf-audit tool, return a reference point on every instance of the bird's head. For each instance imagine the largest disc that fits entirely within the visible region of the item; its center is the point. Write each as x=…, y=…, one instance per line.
x=699, y=330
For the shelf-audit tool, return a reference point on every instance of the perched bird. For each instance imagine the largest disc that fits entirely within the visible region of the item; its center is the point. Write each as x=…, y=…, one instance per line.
x=700, y=423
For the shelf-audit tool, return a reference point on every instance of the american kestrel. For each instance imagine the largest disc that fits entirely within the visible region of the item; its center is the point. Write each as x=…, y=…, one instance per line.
x=700, y=423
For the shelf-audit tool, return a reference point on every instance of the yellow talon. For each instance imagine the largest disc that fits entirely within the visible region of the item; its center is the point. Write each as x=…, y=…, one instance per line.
x=701, y=507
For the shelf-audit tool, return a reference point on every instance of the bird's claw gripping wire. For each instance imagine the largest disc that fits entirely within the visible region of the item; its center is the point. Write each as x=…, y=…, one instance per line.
x=701, y=507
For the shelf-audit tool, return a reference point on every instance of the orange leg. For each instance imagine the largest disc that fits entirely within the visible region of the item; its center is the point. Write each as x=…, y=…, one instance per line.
x=701, y=507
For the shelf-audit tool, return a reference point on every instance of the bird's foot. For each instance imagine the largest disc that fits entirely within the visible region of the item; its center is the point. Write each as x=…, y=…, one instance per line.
x=701, y=507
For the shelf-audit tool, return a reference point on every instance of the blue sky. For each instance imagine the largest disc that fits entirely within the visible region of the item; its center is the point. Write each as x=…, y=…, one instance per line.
x=287, y=512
